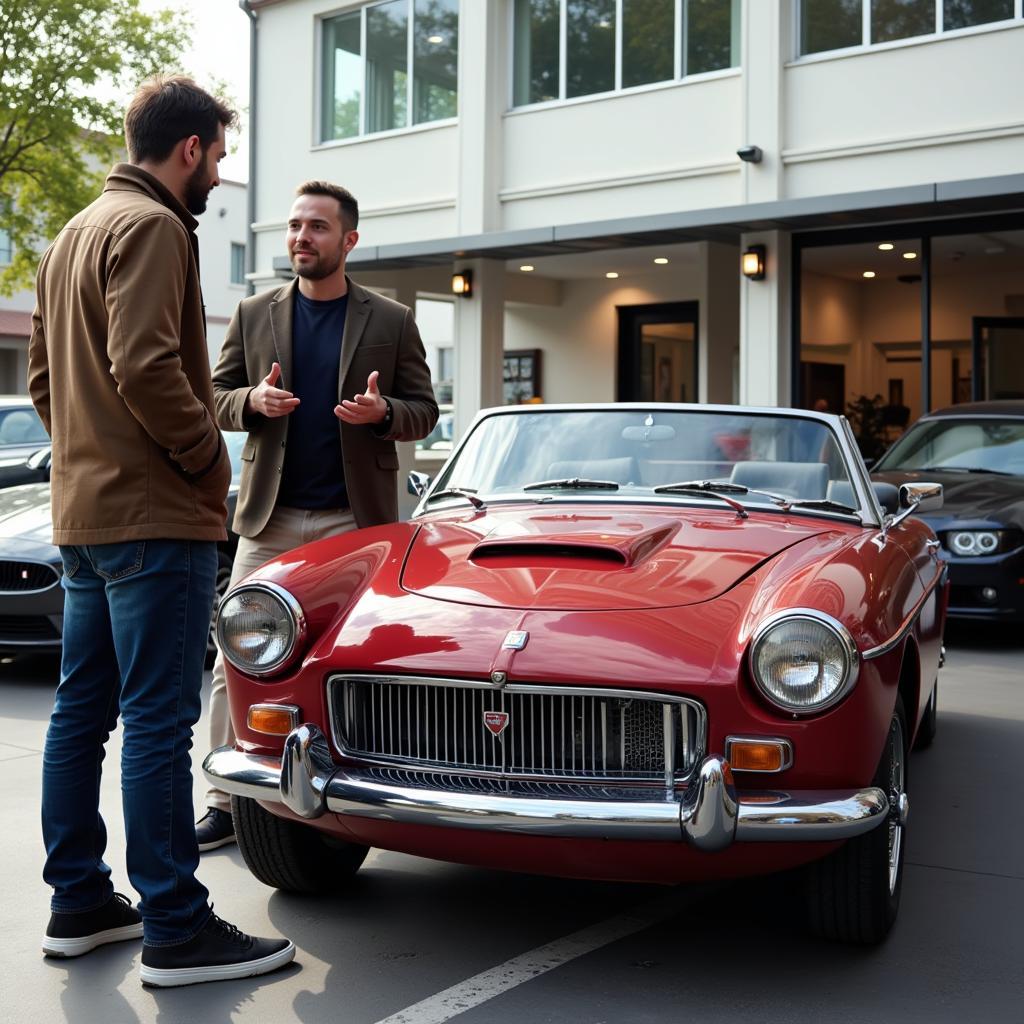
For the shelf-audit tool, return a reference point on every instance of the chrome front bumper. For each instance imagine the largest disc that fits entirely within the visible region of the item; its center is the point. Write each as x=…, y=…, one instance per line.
x=708, y=815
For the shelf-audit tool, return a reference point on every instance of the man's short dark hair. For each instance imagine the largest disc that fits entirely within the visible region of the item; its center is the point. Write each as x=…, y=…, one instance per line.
x=346, y=201
x=167, y=109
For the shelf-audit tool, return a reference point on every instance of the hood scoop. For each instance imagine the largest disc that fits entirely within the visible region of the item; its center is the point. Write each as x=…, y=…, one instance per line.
x=601, y=550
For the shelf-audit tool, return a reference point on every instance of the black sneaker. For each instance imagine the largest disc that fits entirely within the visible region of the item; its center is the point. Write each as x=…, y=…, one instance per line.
x=75, y=934
x=219, y=952
x=215, y=828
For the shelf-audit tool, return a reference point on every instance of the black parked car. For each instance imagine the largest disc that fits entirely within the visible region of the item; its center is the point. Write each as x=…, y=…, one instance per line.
x=31, y=598
x=976, y=451
x=24, y=443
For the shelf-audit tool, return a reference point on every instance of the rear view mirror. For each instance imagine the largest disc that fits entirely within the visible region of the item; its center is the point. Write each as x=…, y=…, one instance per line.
x=655, y=432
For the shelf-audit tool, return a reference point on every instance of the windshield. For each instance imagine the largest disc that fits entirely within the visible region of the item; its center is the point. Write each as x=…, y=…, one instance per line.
x=954, y=444
x=583, y=451
x=22, y=426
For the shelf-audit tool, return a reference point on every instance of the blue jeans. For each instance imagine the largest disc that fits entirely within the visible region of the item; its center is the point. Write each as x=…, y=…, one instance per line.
x=136, y=619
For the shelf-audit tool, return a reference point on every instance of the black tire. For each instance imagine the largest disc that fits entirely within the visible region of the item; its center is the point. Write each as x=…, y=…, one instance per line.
x=853, y=895
x=930, y=722
x=224, y=564
x=293, y=857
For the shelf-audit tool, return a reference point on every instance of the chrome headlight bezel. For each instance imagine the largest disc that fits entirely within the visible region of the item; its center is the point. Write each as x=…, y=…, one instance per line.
x=980, y=543
x=848, y=646
x=292, y=610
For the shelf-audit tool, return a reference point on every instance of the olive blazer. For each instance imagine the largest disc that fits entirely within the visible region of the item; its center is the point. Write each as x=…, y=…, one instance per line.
x=380, y=334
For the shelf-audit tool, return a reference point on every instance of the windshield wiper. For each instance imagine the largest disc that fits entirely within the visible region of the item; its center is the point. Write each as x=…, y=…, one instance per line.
x=712, y=490
x=574, y=483
x=468, y=493
x=957, y=469
x=825, y=504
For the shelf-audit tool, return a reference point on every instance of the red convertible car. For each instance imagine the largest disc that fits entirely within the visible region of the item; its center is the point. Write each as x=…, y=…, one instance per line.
x=636, y=642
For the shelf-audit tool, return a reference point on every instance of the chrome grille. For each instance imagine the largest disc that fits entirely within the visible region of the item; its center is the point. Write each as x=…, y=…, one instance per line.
x=551, y=733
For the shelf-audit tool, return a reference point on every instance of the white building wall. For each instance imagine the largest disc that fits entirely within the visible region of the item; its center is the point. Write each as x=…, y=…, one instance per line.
x=223, y=224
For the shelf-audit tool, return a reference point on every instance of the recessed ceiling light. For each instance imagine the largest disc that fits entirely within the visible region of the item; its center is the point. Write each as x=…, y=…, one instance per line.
x=611, y=275
x=910, y=255
x=886, y=246
x=868, y=273
x=660, y=260
x=604, y=23
x=526, y=268
x=435, y=39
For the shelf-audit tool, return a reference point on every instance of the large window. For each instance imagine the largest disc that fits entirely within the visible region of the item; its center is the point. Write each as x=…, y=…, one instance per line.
x=838, y=24
x=388, y=66
x=237, y=263
x=569, y=48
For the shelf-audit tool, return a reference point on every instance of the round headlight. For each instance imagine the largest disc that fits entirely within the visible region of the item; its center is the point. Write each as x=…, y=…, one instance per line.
x=968, y=543
x=259, y=628
x=803, y=661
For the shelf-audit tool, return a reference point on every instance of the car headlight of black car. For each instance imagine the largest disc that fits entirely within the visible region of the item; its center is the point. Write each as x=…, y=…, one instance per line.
x=974, y=543
x=260, y=627
x=803, y=661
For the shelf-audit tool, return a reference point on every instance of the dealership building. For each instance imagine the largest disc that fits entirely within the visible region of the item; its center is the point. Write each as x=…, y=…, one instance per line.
x=770, y=202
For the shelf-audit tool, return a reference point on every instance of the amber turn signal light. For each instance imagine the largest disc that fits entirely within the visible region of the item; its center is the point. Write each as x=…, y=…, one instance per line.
x=273, y=719
x=758, y=755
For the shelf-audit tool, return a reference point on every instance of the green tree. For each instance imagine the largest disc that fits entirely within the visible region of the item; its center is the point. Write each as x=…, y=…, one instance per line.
x=67, y=68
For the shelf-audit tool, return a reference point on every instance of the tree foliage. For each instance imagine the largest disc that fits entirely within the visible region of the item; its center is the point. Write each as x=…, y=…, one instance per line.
x=67, y=69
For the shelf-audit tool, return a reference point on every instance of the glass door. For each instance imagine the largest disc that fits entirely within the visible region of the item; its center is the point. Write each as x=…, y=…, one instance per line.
x=997, y=358
x=658, y=353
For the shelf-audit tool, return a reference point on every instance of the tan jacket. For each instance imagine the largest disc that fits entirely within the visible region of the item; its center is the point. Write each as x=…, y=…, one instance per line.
x=119, y=372
x=381, y=335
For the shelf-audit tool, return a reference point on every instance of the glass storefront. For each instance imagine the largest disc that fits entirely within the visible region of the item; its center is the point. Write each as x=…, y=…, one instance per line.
x=893, y=322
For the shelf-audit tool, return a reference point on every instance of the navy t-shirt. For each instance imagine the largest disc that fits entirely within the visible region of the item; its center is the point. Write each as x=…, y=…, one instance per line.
x=313, y=475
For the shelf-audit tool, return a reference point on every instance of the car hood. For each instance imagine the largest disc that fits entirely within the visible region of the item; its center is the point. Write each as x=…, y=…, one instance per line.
x=608, y=558
x=970, y=495
x=25, y=513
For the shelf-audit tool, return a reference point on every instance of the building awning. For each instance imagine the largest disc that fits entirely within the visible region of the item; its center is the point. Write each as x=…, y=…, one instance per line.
x=15, y=323
x=727, y=224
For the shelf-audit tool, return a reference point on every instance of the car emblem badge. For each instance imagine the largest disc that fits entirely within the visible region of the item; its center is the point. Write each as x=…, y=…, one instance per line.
x=496, y=722
x=515, y=640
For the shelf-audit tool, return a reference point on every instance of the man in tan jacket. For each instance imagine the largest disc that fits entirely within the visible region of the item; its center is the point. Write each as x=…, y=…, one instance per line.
x=119, y=374
x=326, y=377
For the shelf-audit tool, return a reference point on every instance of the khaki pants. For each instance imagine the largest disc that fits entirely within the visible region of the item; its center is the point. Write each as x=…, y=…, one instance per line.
x=287, y=528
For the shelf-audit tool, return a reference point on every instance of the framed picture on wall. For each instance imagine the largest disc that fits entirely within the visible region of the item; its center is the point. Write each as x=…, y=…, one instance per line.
x=522, y=381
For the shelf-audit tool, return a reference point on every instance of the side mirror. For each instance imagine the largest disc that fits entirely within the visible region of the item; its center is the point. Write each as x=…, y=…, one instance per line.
x=40, y=462
x=921, y=497
x=418, y=483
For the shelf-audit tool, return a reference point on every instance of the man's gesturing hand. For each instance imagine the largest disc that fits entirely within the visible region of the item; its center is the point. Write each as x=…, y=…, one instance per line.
x=269, y=400
x=366, y=408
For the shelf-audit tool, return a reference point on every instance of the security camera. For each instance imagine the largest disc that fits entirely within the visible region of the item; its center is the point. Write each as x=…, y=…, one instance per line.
x=750, y=154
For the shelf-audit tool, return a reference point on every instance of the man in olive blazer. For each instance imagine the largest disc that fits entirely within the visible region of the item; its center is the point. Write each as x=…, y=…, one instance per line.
x=325, y=377
x=380, y=335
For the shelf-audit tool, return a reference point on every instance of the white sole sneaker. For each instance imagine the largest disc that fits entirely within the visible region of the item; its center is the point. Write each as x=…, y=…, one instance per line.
x=84, y=943
x=169, y=977
x=203, y=847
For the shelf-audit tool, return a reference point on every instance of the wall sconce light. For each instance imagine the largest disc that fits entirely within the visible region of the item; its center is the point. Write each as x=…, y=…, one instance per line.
x=752, y=263
x=462, y=283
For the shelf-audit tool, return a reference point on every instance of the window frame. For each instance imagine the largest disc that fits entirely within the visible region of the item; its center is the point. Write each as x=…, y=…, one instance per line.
x=319, y=142
x=236, y=247
x=1016, y=20
x=679, y=76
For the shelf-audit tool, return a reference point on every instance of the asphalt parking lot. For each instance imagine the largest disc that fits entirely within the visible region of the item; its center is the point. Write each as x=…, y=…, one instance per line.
x=417, y=942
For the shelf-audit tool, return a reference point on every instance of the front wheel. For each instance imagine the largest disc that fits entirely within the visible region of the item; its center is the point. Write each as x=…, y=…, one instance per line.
x=853, y=895
x=293, y=857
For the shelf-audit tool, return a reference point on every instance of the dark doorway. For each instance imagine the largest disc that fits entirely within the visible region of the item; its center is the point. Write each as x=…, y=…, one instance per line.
x=997, y=357
x=823, y=386
x=658, y=353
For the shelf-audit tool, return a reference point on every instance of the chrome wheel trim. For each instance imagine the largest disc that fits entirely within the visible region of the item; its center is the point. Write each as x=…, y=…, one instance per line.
x=897, y=786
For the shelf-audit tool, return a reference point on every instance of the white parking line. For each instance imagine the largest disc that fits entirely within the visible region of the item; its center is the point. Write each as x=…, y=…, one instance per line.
x=494, y=982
